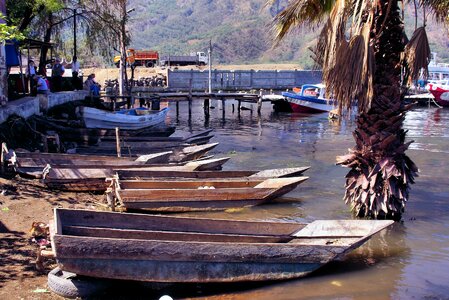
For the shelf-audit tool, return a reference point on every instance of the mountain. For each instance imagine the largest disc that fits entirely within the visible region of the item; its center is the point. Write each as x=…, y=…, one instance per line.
x=240, y=31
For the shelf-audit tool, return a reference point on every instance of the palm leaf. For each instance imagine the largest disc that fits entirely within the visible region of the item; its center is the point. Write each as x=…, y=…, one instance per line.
x=417, y=54
x=300, y=12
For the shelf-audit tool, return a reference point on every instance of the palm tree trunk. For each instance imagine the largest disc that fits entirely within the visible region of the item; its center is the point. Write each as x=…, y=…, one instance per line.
x=378, y=183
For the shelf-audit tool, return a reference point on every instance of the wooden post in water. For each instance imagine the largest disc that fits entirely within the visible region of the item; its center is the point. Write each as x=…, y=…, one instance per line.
x=259, y=102
x=190, y=98
x=117, y=142
x=223, y=101
x=206, y=106
x=239, y=105
x=177, y=109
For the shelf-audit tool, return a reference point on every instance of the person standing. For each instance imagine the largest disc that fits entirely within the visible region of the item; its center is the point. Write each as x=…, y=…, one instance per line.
x=56, y=76
x=75, y=73
x=30, y=72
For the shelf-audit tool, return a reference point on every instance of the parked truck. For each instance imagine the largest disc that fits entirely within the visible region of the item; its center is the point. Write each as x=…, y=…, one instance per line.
x=194, y=59
x=147, y=58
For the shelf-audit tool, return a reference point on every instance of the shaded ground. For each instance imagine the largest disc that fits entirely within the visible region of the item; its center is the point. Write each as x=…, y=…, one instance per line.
x=22, y=202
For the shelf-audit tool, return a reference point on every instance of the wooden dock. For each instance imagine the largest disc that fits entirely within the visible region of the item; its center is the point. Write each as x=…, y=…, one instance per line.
x=149, y=98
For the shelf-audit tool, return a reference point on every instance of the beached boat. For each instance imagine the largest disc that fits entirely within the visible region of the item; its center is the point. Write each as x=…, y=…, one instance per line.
x=198, y=138
x=132, y=119
x=180, y=151
x=440, y=93
x=270, y=173
x=198, y=195
x=32, y=164
x=154, y=248
x=309, y=99
x=94, y=178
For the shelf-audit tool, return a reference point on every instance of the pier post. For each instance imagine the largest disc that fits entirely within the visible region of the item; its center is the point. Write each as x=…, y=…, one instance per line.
x=223, y=101
x=190, y=106
x=206, y=106
x=117, y=142
x=259, y=102
x=177, y=110
x=239, y=105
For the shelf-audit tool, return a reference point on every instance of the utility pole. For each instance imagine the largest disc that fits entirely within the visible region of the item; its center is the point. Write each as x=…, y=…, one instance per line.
x=74, y=32
x=209, y=52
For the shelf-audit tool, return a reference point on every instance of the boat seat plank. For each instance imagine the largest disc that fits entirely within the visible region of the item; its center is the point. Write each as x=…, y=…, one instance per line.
x=171, y=235
x=341, y=228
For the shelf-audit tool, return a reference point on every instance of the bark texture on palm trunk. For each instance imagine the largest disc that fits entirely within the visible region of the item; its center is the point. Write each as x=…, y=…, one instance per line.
x=378, y=183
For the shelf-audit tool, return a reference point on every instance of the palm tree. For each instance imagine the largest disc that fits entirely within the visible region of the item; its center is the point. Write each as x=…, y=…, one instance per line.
x=366, y=58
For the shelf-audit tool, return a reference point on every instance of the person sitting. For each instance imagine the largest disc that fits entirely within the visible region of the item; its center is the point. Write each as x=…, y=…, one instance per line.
x=41, y=85
x=92, y=86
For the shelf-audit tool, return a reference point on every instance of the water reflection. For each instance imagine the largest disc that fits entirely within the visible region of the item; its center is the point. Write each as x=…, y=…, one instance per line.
x=409, y=261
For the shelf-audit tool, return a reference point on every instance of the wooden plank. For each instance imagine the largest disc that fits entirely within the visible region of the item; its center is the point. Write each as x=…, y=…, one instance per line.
x=228, y=194
x=276, y=183
x=129, y=249
x=170, y=236
x=182, y=174
x=188, y=184
x=342, y=228
x=188, y=272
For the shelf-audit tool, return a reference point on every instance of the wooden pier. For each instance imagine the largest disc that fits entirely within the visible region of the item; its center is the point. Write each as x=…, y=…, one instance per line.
x=150, y=98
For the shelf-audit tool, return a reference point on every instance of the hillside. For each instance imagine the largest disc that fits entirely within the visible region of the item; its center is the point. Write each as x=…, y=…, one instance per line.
x=239, y=30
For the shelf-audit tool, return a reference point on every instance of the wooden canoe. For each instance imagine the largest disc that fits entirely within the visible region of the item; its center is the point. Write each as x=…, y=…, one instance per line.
x=271, y=173
x=173, y=249
x=182, y=152
x=94, y=179
x=198, y=195
x=31, y=165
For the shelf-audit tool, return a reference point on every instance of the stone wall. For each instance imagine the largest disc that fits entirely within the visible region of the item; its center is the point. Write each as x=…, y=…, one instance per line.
x=240, y=80
x=28, y=106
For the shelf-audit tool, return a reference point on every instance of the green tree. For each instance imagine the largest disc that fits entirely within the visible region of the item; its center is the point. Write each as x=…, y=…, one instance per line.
x=365, y=58
x=49, y=20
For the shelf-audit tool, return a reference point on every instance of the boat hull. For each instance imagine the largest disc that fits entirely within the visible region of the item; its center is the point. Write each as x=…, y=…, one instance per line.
x=304, y=104
x=187, y=272
x=441, y=94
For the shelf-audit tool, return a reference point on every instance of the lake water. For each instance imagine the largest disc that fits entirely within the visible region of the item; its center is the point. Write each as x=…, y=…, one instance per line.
x=408, y=261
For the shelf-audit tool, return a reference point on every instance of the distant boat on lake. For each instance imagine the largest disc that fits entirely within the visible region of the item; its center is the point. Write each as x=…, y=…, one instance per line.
x=309, y=99
x=441, y=93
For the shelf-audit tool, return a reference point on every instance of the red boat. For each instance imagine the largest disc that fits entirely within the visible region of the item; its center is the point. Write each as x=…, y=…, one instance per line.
x=441, y=93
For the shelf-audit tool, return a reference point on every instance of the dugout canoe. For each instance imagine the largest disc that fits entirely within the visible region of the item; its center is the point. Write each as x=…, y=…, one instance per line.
x=172, y=249
x=197, y=195
x=93, y=179
x=181, y=152
x=270, y=173
x=32, y=164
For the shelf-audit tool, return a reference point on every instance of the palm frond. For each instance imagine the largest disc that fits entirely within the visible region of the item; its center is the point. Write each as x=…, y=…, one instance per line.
x=439, y=9
x=351, y=78
x=331, y=36
x=299, y=13
x=417, y=54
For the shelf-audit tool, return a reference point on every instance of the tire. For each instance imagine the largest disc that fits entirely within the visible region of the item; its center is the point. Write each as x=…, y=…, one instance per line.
x=69, y=285
x=149, y=64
